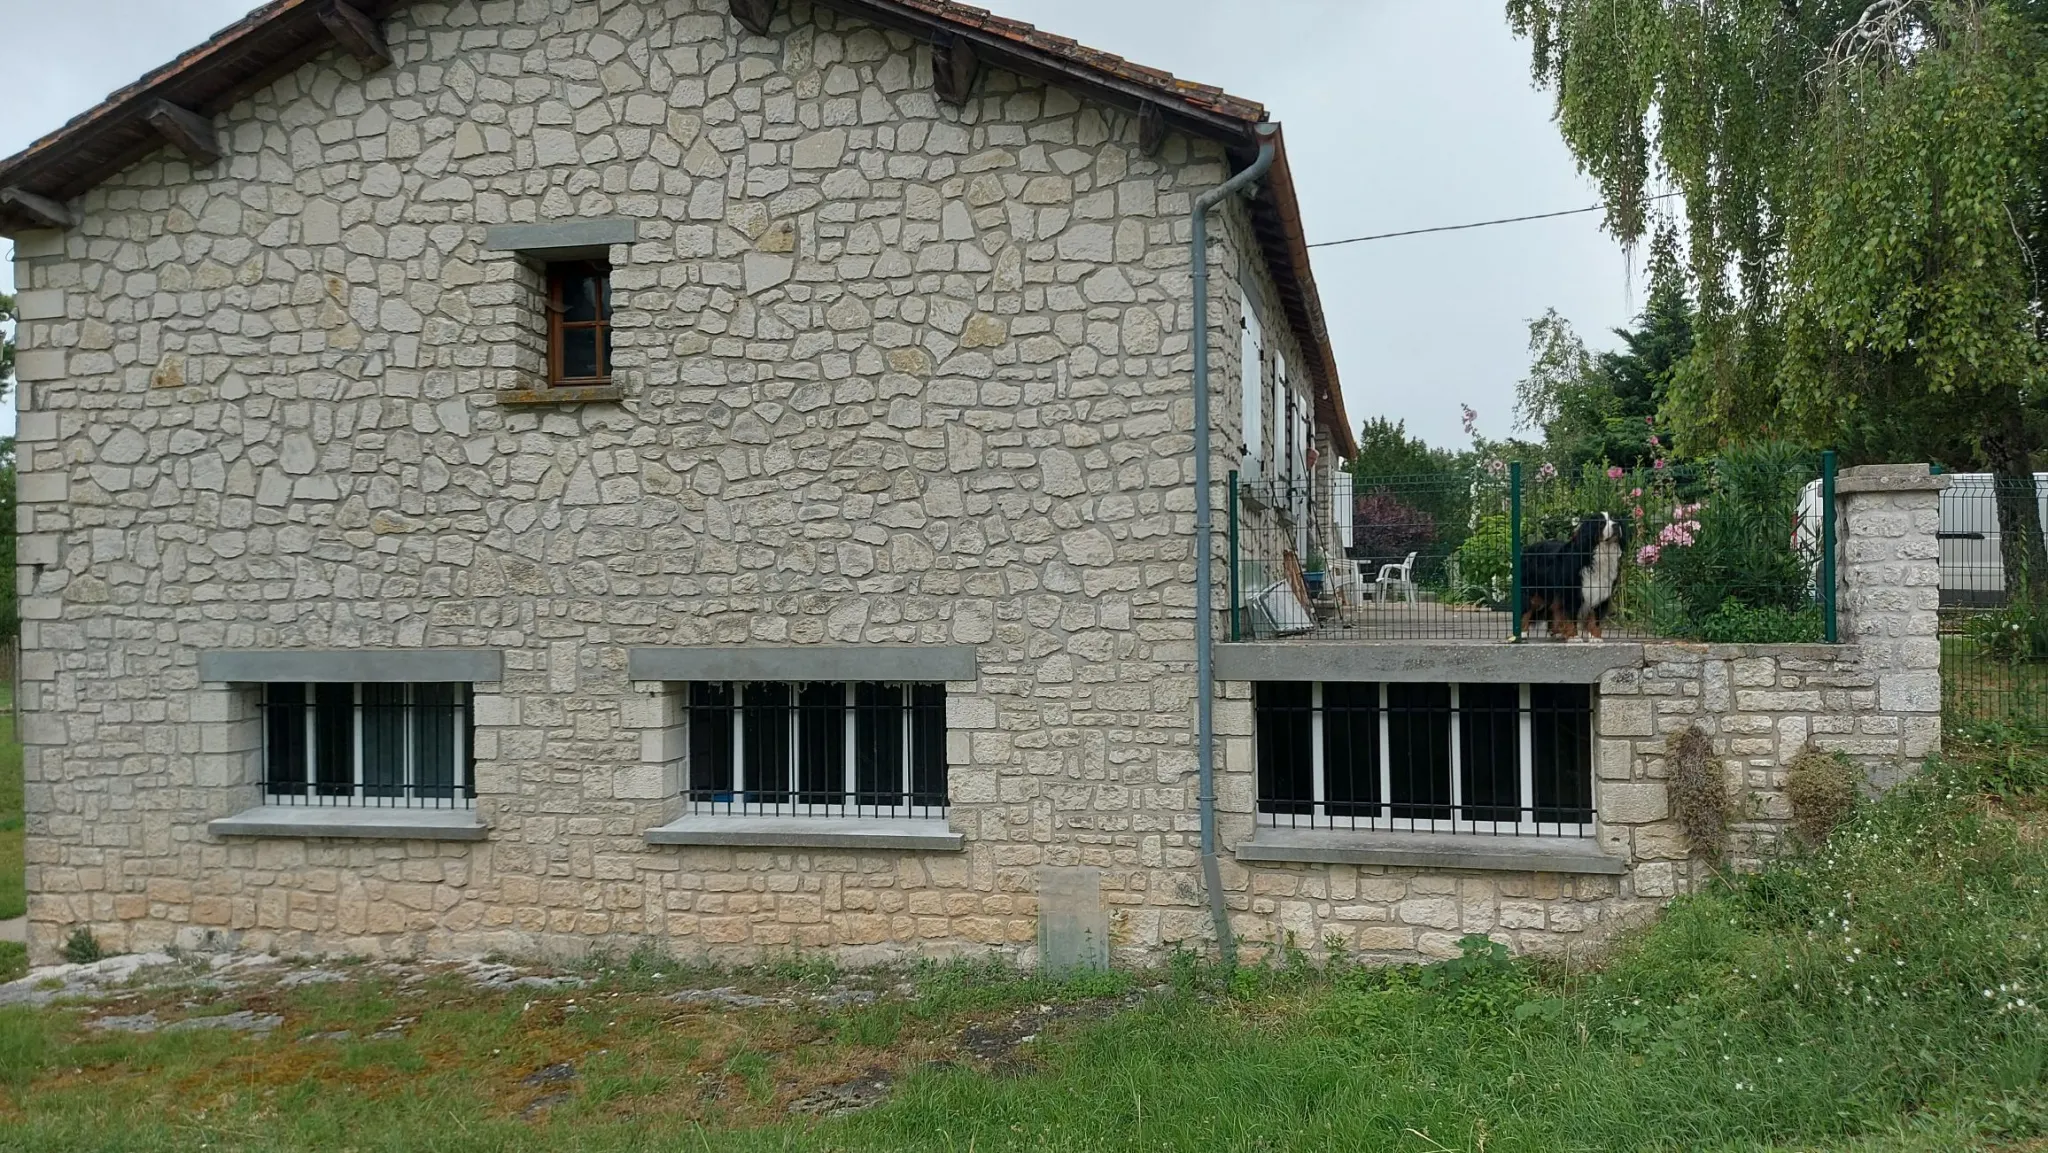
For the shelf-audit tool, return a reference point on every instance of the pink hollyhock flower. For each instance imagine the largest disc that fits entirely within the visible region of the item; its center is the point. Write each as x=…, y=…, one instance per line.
x=1647, y=555
x=1659, y=463
x=1614, y=472
x=1638, y=512
x=1635, y=494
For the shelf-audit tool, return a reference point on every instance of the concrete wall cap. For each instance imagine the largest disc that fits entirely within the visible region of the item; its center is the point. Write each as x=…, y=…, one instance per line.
x=1889, y=478
x=1536, y=662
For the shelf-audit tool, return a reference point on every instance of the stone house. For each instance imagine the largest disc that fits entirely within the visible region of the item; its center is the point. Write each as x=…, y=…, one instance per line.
x=719, y=474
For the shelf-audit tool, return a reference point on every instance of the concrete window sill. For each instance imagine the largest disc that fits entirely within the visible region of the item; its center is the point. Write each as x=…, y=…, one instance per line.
x=362, y=822
x=1430, y=851
x=583, y=395
x=878, y=833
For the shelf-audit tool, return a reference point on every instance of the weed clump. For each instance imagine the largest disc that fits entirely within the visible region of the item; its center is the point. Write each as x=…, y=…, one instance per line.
x=1822, y=788
x=82, y=948
x=1697, y=794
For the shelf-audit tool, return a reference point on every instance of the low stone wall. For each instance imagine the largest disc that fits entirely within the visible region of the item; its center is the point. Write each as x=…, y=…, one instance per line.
x=1875, y=699
x=1759, y=705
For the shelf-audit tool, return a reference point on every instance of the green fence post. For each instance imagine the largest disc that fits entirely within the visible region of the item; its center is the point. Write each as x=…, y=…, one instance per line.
x=1236, y=583
x=1515, y=548
x=1827, y=547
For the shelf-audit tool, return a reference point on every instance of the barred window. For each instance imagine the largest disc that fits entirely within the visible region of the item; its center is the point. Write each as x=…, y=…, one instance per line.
x=818, y=748
x=404, y=745
x=1455, y=758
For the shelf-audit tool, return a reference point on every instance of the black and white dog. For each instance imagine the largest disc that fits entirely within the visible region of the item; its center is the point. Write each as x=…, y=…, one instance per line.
x=1572, y=581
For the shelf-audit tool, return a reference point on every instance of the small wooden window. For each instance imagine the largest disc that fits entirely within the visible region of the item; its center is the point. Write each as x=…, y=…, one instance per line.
x=579, y=324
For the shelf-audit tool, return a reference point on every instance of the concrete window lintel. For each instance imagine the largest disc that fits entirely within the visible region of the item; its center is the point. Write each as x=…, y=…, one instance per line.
x=928, y=834
x=563, y=239
x=1430, y=851
x=803, y=663
x=352, y=821
x=352, y=666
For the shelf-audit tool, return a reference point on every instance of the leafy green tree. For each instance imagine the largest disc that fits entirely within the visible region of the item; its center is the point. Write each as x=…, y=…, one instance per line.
x=1863, y=203
x=1385, y=449
x=1601, y=408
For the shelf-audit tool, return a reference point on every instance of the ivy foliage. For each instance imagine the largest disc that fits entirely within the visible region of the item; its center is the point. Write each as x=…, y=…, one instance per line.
x=1860, y=199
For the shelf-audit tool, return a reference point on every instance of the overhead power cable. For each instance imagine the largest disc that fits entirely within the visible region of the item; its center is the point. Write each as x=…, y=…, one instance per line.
x=1473, y=224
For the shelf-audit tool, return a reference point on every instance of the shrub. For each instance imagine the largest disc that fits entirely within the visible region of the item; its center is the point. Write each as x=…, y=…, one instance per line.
x=1743, y=548
x=1697, y=792
x=1485, y=568
x=2017, y=632
x=1822, y=788
x=1385, y=527
x=1735, y=623
x=82, y=948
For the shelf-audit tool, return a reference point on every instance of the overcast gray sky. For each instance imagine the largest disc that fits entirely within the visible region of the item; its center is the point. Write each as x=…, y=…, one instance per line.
x=1399, y=114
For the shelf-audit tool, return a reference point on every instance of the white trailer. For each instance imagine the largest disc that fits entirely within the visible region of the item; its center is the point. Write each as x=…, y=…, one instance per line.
x=1972, y=563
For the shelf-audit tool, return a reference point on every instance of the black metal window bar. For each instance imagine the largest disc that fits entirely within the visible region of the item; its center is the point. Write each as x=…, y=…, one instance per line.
x=379, y=745
x=825, y=749
x=1484, y=759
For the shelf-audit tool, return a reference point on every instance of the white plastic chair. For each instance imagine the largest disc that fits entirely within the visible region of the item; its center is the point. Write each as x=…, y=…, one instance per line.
x=1399, y=577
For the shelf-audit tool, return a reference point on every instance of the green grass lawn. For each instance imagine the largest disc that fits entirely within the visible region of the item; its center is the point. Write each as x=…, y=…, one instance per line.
x=1882, y=994
x=1979, y=688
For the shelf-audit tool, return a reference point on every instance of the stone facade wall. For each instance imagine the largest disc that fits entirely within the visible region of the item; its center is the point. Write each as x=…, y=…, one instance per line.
x=894, y=371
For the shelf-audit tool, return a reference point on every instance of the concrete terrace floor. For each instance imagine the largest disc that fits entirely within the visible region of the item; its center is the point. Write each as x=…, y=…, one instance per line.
x=1423, y=620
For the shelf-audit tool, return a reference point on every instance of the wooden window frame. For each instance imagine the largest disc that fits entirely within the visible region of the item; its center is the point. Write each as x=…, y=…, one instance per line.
x=558, y=276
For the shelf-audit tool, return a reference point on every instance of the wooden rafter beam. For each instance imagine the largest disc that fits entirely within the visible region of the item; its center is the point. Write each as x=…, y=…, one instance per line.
x=39, y=210
x=1151, y=128
x=356, y=32
x=191, y=133
x=955, y=67
x=754, y=15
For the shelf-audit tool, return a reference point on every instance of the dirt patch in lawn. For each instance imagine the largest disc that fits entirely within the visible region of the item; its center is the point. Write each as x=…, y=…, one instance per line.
x=535, y=1045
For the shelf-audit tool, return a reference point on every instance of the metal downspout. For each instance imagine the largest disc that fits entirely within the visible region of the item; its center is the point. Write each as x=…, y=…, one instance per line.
x=1205, y=673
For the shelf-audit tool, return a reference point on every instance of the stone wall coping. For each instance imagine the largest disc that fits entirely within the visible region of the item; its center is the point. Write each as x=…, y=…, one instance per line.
x=1539, y=662
x=353, y=821
x=563, y=238
x=1430, y=851
x=1889, y=478
x=803, y=663
x=352, y=666
x=929, y=834
x=1655, y=651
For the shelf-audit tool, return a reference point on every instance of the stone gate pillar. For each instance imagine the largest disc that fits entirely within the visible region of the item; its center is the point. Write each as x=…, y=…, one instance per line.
x=1889, y=587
